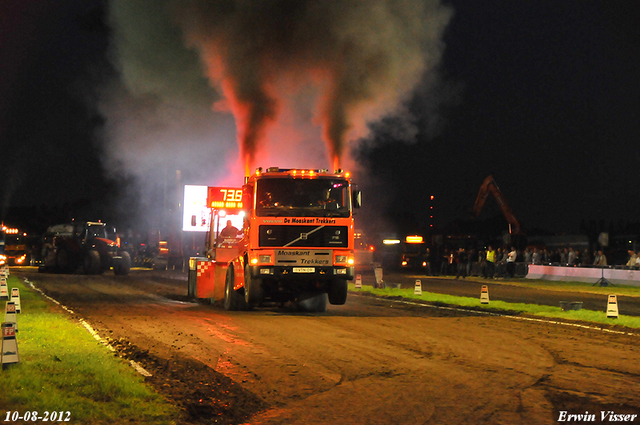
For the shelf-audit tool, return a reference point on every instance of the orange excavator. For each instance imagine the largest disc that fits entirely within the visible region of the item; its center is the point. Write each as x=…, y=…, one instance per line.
x=489, y=185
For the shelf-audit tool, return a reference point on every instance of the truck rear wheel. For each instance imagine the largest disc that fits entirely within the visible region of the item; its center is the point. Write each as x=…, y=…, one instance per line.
x=338, y=292
x=253, y=292
x=312, y=302
x=92, y=263
x=233, y=301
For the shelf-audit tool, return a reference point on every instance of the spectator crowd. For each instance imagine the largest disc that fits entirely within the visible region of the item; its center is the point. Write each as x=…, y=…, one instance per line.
x=509, y=262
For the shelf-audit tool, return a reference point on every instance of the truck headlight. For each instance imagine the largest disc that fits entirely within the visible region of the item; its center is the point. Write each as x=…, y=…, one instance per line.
x=264, y=259
x=341, y=259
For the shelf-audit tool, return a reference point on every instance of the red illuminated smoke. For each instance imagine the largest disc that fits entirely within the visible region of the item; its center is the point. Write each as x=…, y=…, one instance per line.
x=365, y=56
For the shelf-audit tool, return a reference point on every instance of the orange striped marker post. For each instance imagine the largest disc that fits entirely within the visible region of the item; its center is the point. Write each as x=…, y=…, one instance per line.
x=358, y=281
x=418, y=287
x=9, y=345
x=612, y=307
x=484, y=295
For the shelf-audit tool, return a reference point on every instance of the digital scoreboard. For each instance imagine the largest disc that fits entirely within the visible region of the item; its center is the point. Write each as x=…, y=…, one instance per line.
x=201, y=201
x=228, y=198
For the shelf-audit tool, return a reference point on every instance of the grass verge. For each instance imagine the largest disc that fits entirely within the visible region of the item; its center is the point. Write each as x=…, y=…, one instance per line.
x=599, y=317
x=564, y=286
x=63, y=368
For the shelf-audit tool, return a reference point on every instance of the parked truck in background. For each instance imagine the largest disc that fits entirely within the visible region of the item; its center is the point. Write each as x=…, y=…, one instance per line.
x=15, y=246
x=67, y=247
x=297, y=242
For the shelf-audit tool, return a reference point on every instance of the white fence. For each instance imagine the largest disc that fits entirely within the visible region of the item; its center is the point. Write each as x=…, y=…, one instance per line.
x=585, y=274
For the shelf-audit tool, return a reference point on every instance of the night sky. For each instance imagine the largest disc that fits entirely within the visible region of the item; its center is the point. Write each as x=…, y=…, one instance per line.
x=543, y=95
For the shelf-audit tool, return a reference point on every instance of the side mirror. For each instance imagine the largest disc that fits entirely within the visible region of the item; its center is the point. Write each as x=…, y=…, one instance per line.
x=357, y=199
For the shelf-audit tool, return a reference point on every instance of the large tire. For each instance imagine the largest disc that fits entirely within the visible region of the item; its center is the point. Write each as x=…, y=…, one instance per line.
x=312, y=303
x=92, y=263
x=338, y=292
x=122, y=266
x=253, y=292
x=158, y=263
x=233, y=301
x=191, y=287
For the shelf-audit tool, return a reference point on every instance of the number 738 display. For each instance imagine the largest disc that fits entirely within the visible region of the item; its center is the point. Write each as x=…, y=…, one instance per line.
x=228, y=198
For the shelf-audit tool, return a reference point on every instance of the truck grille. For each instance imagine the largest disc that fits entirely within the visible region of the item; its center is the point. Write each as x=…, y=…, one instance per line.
x=304, y=236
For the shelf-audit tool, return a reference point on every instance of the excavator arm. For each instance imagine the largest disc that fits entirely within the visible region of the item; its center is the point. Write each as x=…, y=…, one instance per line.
x=489, y=185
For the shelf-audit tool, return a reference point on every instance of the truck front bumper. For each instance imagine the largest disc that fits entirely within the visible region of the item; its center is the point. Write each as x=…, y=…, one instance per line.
x=302, y=273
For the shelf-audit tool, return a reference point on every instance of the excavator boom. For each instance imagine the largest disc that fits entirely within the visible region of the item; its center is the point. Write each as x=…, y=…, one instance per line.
x=489, y=185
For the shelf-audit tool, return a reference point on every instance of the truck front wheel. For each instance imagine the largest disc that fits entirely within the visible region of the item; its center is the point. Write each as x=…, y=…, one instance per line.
x=233, y=301
x=253, y=292
x=338, y=292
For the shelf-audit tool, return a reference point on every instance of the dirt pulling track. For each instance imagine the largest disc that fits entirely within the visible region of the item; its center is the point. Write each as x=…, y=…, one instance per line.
x=371, y=361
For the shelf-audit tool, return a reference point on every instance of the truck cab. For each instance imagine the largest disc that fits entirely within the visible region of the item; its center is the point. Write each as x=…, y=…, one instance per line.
x=297, y=240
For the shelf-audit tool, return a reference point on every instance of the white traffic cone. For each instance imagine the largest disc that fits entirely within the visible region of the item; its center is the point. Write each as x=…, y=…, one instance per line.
x=612, y=307
x=358, y=281
x=10, y=314
x=418, y=288
x=15, y=298
x=484, y=295
x=4, y=290
x=9, y=345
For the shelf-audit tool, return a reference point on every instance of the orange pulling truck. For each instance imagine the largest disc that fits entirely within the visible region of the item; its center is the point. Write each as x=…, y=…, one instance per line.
x=296, y=244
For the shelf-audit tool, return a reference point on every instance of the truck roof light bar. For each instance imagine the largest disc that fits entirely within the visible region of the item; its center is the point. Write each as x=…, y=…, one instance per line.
x=300, y=172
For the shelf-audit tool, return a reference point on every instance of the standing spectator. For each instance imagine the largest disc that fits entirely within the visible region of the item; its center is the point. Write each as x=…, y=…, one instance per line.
x=535, y=256
x=585, y=260
x=482, y=262
x=462, y=263
x=544, y=256
x=471, y=259
x=633, y=258
x=563, y=256
x=571, y=257
x=511, y=262
x=489, y=268
x=501, y=260
x=444, y=266
x=555, y=257
x=600, y=260
x=528, y=256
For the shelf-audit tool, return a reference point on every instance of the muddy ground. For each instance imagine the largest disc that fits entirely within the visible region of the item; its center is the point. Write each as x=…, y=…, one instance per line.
x=370, y=361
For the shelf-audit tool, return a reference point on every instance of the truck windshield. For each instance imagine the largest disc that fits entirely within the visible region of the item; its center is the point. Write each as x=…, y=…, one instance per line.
x=321, y=197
